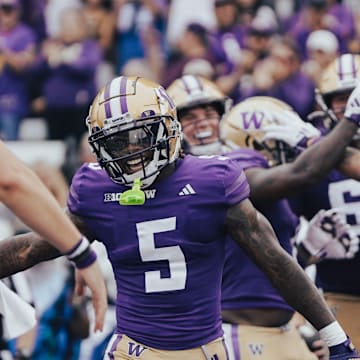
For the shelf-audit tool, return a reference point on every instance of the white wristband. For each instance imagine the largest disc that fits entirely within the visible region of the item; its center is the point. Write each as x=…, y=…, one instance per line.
x=333, y=334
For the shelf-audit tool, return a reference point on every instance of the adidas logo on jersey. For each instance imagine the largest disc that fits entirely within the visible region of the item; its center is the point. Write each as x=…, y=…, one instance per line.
x=187, y=190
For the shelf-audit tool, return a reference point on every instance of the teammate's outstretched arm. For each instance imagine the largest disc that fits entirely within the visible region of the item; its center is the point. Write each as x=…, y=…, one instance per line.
x=24, y=193
x=255, y=235
x=307, y=169
x=330, y=151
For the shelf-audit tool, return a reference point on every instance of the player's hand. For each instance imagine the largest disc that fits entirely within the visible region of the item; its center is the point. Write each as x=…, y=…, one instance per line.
x=320, y=349
x=92, y=277
x=343, y=351
x=289, y=128
x=314, y=342
x=352, y=109
x=329, y=236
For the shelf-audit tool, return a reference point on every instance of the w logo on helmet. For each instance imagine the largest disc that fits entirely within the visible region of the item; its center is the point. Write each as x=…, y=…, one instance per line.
x=252, y=119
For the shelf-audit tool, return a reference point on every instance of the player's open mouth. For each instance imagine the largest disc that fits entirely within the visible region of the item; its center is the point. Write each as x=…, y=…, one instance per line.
x=203, y=134
x=136, y=164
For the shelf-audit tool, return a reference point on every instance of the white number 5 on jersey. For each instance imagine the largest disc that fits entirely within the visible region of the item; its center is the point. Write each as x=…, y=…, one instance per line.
x=173, y=254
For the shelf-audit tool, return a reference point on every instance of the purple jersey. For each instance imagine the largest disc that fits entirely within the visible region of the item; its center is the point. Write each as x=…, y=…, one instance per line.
x=338, y=191
x=168, y=254
x=244, y=284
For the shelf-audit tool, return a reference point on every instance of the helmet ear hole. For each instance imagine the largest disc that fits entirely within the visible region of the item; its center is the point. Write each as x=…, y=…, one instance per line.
x=258, y=146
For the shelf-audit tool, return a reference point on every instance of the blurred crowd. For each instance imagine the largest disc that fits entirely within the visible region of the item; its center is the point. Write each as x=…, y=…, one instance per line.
x=56, y=54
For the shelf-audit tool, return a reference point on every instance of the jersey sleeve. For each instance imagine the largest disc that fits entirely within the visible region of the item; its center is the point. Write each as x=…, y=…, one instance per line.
x=88, y=188
x=73, y=201
x=248, y=158
x=235, y=183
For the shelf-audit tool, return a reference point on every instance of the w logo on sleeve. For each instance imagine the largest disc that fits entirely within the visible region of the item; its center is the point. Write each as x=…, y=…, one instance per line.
x=135, y=349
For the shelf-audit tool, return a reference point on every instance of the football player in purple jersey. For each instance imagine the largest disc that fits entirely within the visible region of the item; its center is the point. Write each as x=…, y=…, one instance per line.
x=336, y=277
x=165, y=236
x=248, y=298
x=24, y=193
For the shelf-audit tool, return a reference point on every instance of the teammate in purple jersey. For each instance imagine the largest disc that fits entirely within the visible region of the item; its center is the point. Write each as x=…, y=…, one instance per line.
x=248, y=298
x=165, y=237
x=336, y=277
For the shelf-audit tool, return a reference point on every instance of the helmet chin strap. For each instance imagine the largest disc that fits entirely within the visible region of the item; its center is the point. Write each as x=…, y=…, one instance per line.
x=213, y=148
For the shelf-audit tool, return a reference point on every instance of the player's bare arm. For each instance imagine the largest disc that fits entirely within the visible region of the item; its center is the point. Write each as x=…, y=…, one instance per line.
x=253, y=232
x=23, y=251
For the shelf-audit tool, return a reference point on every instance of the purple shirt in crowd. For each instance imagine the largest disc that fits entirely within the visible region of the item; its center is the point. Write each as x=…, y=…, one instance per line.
x=343, y=27
x=168, y=254
x=298, y=91
x=227, y=44
x=13, y=85
x=72, y=84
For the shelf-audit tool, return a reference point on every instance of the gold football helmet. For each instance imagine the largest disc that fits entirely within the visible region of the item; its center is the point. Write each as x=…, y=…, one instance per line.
x=133, y=129
x=340, y=77
x=190, y=91
x=243, y=127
